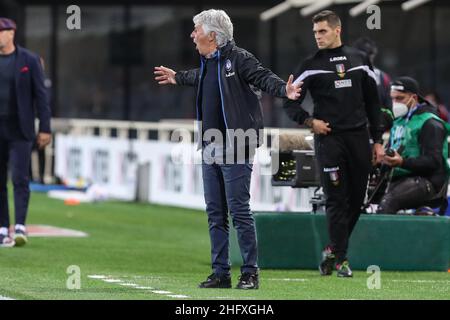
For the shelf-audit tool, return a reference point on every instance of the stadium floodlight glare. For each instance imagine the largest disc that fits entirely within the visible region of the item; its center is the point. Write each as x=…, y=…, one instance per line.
x=412, y=4
x=362, y=7
x=316, y=6
x=275, y=11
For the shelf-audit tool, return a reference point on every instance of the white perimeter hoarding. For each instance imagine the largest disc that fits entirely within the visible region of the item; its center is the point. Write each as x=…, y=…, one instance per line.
x=174, y=175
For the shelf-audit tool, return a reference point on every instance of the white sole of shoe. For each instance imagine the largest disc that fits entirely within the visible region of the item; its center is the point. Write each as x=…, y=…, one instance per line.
x=20, y=240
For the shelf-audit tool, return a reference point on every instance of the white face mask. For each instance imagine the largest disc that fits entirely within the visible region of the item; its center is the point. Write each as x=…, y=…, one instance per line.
x=399, y=109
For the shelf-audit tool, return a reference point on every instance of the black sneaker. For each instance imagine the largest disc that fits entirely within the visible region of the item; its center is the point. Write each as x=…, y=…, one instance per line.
x=215, y=281
x=248, y=281
x=343, y=270
x=20, y=237
x=327, y=264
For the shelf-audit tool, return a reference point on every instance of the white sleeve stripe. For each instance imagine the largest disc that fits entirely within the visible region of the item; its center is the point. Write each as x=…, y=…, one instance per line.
x=308, y=73
x=366, y=69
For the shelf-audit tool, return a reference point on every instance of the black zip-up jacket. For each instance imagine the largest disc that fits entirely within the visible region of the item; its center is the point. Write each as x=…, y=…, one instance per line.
x=241, y=76
x=342, y=84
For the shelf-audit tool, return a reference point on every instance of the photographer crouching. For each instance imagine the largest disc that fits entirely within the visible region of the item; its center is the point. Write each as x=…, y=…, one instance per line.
x=418, y=139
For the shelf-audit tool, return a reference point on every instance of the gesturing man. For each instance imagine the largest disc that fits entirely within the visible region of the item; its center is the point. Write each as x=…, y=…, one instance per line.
x=228, y=83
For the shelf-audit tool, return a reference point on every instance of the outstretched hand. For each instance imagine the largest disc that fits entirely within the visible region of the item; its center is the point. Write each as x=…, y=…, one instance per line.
x=293, y=90
x=165, y=75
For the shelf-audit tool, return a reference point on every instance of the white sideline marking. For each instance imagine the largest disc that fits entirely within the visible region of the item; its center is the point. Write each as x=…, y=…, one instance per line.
x=177, y=296
x=134, y=285
x=6, y=298
x=423, y=281
x=97, y=276
x=161, y=292
x=289, y=279
x=112, y=280
x=126, y=284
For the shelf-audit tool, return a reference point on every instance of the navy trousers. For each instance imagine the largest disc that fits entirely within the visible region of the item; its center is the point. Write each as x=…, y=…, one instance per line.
x=15, y=154
x=227, y=189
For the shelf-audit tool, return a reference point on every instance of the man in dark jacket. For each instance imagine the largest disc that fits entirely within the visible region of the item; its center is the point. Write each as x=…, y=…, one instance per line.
x=344, y=91
x=419, y=138
x=22, y=90
x=228, y=83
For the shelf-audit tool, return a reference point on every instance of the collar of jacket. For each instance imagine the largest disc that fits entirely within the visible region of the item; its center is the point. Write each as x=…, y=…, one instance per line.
x=224, y=50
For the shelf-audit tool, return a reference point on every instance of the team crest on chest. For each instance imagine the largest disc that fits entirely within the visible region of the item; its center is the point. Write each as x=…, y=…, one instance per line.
x=340, y=68
x=228, y=65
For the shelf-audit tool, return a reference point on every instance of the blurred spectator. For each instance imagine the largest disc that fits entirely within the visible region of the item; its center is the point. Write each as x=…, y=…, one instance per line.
x=434, y=98
x=369, y=47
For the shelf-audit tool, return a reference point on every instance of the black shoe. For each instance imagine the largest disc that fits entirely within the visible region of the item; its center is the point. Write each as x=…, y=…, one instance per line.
x=215, y=281
x=327, y=264
x=343, y=270
x=248, y=281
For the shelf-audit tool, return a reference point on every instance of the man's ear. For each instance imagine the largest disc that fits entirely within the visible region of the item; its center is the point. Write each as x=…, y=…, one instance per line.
x=338, y=30
x=212, y=36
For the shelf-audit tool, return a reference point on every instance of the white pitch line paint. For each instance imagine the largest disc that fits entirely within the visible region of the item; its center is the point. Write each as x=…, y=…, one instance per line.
x=177, y=296
x=112, y=280
x=109, y=279
x=161, y=292
x=6, y=298
x=97, y=276
x=289, y=279
x=422, y=281
x=126, y=284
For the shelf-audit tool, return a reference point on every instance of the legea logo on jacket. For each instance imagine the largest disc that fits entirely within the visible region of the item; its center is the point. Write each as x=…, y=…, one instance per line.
x=228, y=68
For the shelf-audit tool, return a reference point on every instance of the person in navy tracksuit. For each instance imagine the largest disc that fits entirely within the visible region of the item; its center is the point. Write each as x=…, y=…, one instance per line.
x=22, y=96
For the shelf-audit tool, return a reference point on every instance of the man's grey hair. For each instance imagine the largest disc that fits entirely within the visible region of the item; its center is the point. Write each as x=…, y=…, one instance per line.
x=217, y=21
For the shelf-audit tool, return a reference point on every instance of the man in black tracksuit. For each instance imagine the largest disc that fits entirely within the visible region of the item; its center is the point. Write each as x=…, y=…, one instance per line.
x=228, y=84
x=342, y=84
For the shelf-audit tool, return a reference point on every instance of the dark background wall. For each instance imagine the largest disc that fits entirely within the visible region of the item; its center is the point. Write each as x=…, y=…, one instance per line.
x=105, y=70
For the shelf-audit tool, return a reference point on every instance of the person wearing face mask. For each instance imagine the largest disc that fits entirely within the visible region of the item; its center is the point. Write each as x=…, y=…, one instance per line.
x=346, y=115
x=419, y=141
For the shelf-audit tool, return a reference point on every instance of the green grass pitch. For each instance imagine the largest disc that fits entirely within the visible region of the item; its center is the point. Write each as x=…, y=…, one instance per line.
x=161, y=252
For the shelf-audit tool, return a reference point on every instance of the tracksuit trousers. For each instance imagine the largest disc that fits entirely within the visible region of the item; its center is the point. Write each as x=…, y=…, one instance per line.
x=345, y=163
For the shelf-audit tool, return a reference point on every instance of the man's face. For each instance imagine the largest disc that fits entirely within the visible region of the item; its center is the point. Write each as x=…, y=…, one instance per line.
x=326, y=37
x=6, y=38
x=408, y=99
x=205, y=43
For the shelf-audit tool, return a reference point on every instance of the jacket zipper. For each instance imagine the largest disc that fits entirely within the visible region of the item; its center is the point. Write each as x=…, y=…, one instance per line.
x=198, y=89
x=221, y=95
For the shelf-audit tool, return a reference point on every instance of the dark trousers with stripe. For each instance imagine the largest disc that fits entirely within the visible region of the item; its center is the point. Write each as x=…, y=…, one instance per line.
x=345, y=161
x=15, y=155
